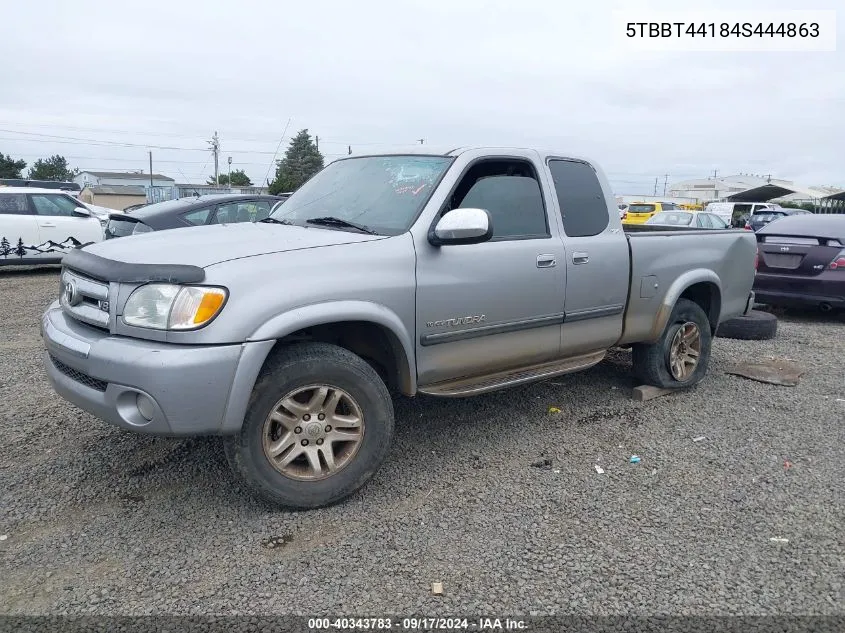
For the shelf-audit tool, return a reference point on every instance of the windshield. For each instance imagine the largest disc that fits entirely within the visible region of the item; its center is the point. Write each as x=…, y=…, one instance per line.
x=670, y=218
x=641, y=208
x=382, y=193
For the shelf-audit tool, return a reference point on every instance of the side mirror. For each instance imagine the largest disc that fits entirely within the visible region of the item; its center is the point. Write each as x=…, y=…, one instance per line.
x=82, y=211
x=463, y=226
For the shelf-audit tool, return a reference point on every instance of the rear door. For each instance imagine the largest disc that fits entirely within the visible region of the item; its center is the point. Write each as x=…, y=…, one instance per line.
x=597, y=260
x=18, y=229
x=58, y=224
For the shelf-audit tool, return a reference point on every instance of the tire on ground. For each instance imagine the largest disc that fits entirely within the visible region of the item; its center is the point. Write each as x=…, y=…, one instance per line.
x=651, y=361
x=297, y=366
x=754, y=326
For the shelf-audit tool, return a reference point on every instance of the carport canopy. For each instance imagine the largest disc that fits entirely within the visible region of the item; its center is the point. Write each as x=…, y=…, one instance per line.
x=771, y=191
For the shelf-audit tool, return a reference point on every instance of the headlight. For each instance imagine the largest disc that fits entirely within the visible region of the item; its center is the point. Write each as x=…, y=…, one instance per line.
x=172, y=307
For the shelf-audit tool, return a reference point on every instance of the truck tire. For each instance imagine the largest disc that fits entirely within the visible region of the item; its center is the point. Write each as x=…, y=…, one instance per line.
x=754, y=326
x=679, y=358
x=318, y=427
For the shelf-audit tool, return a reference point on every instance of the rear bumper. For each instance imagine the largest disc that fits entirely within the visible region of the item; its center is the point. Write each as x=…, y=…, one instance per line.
x=794, y=290
x=149, y=387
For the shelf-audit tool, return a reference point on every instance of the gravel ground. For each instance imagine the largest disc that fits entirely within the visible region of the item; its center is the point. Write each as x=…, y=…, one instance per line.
x=96, y=520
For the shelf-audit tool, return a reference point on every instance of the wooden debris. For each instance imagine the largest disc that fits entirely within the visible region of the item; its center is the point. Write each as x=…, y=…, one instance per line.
x=648, y=392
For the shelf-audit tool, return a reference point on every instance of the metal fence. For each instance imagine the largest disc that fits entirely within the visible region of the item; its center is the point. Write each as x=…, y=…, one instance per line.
x=160, y=194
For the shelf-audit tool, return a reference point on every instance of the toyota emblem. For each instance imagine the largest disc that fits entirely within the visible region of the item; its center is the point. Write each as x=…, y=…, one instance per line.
x=72, y=297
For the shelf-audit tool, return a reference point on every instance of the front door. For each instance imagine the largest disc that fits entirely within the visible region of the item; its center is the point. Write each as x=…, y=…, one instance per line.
x=59, y=227
x=597, y=260
x=487, y=307
x=18, y=229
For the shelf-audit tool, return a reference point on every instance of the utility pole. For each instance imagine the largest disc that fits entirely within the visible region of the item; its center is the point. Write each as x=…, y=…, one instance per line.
x=151, y=174
x=230, y=172
x=665, y=182
x=317, y=142
x=350, y=149
x=715, y=173
x=214, y=143
x=655, y=186
x=421, y=140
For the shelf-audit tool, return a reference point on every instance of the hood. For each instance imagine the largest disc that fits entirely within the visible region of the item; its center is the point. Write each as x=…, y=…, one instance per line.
x=207, y=245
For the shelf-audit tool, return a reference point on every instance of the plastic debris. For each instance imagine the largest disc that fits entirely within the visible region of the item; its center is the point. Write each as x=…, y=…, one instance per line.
x=700, y=438
x=777, y=539
x=3, y=537
x=787, y=465
x=599, y=469
x=543, y=463
x=653, y=471
x=554, y=410
x=556, y=471
x=437, y=588
x=635, y=459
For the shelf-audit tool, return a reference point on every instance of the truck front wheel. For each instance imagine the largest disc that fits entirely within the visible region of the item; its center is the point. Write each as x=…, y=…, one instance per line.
x=318, y=427
x=679, y=359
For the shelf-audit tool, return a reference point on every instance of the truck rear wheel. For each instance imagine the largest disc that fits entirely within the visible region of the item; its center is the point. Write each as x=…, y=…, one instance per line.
x=318, y=427
x=679, y=359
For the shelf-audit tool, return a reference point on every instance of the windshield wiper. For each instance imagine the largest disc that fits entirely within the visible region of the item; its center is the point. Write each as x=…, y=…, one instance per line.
x=339, y=222
x=275, y=221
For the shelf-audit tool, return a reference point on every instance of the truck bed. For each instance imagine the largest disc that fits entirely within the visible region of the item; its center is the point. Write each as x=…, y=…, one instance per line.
x=663, y=258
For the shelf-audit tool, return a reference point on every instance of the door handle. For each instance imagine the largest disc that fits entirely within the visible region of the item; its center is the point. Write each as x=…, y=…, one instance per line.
x=47, y=225
x=580, y=258
x=546, y=261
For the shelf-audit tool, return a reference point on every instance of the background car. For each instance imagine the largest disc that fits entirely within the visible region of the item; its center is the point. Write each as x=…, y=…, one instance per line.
x=193, y=211
x=761, y=218
x=640, y=212
x=38, y=226
x=692, y=219
x=802, y=261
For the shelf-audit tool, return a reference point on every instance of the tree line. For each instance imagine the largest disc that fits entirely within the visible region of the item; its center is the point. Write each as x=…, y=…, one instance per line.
x=301, y=161
x=51, y=168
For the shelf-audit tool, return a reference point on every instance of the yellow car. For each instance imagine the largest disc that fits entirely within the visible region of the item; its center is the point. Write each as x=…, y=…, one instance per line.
x=639, y=212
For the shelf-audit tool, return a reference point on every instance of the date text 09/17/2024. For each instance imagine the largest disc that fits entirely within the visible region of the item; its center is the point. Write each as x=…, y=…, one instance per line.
x=418, y=624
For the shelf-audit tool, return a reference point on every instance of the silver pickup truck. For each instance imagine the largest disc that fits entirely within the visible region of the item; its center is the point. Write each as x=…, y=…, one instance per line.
x=447, y=273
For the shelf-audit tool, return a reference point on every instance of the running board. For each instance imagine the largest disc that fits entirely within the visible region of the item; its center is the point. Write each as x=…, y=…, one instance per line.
x=512, y=377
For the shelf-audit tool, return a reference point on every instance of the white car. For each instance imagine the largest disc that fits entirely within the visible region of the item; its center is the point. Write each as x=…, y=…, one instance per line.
x=38, y=226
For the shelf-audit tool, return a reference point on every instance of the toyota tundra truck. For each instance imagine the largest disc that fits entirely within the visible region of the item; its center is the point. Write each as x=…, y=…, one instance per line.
x=450, y=273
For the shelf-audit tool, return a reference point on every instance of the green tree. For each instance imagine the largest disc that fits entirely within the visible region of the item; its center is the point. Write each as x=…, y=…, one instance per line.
x=239, y=179
x=302, y=160
x=53, y=168
x=11, y=168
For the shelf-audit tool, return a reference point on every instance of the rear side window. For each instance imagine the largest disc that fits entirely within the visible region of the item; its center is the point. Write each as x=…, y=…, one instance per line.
x=13, y=204
x=581, y=198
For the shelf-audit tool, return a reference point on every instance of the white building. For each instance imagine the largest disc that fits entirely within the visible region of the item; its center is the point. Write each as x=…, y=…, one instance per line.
x=96, y=178
x=706, y=189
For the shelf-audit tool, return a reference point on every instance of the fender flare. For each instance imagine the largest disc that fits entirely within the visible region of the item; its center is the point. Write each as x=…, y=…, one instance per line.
x=346, y=310
x=260, y=343
x=678, y=287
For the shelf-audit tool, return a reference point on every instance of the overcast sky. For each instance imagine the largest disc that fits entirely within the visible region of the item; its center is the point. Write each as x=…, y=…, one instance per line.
x=167, y=74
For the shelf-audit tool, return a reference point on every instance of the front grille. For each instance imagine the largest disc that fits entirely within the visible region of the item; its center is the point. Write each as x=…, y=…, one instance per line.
x=78, y=376
x=85, y=299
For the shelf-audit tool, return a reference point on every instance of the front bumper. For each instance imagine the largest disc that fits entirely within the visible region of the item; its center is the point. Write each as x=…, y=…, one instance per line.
x=147, y=386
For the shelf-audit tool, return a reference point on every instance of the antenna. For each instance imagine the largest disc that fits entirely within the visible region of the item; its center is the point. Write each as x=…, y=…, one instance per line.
x=273, y=160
